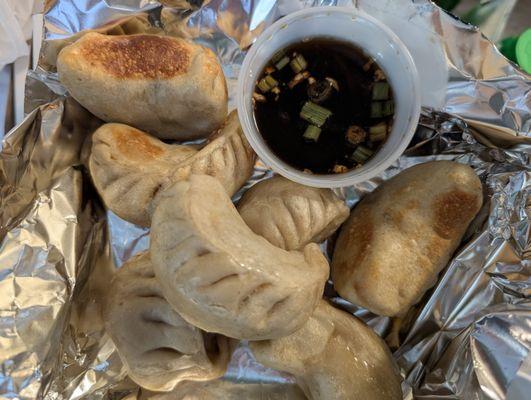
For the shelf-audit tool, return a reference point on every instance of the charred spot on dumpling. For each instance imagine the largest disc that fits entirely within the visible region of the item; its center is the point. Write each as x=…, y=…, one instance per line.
x=451, y=209
x=138, y=56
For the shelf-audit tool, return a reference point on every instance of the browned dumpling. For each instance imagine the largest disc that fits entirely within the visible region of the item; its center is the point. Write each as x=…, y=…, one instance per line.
x=170, y=87
x=222, y=277
x=399, y=237
x=158, y=347
x=334, y=356
x=129, y=167
x=290, y=215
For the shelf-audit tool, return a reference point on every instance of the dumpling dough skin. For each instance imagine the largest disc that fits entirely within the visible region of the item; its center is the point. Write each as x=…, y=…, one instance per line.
x=399, y=237
x=129, y=167
x=225, y=390
x=222, y=277
x=159, y=349
x=169, y=87
x=334, y=356
x=290, y=215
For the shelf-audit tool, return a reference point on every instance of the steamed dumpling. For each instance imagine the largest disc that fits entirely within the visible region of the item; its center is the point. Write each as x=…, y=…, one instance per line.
x=170, y=87
x=290, y=215
x=334, y=356
x=129, y=167
x=158, y=347
x=222, y=277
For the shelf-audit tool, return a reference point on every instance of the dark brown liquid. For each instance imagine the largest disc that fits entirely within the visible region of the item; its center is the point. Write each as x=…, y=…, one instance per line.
x=282, y=127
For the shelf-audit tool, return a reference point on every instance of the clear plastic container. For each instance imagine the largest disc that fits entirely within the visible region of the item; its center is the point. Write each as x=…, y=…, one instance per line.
x=347, y=24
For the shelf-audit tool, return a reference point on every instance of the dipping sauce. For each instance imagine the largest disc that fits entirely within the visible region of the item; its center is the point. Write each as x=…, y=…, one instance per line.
x=323, y=106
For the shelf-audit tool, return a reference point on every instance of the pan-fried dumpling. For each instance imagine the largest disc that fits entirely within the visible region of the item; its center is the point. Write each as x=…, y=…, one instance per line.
x=170, y=87
x=228, y=157
x=334, y=356
x=222, y=277
x=290, y=215
x=158, y=347
x=399, y=237
x=128, y=167
x=226, y=390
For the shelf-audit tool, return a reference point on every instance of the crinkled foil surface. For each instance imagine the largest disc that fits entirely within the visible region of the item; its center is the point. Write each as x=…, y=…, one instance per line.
x=469, y=338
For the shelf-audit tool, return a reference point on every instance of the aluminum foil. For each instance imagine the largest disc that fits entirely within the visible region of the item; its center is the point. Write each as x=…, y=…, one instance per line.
x=469, y=338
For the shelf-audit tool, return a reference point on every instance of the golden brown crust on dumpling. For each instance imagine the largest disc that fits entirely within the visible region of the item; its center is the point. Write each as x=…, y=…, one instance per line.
x=129, y=167
x=138, y=56
x=169, y=87
x=135, y=144
x=398, y=238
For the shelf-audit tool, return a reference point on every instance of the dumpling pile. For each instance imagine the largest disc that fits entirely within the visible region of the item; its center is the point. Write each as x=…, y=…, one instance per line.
x=215, y=274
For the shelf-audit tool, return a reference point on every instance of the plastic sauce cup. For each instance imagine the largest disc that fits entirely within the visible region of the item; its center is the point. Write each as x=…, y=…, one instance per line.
x=348, y=25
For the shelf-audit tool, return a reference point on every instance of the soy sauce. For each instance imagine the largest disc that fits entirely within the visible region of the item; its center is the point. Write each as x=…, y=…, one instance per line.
x=352, y=76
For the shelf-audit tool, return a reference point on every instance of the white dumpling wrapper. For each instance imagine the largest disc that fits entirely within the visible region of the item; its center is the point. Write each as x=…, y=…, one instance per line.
x=158, y=348
x=222, y=277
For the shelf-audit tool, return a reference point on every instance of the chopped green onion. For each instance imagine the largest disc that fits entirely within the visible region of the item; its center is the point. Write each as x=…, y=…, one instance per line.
x=271, y=81
x=314, y=114
x=380, y=91
x=277, y=56
x=361, y=154
x=377, y=133
x=376, y=110
x=312, y=132
x=298, y=64
x=263, y=86
x=388, y=108
x=267, y=83
x=282, y=63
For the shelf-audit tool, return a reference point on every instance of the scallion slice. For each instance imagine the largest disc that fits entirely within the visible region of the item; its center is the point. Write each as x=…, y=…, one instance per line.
x=361, y=154
x=388, y=108
x=377, y=133
x=380, y=91
x=267, y=83
x=298, y=64
x=282, y=63
x=312, y=133
x=271, y=81
x=277, y=56
x=263, y=85
x=314, y=114
x=376, y=109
